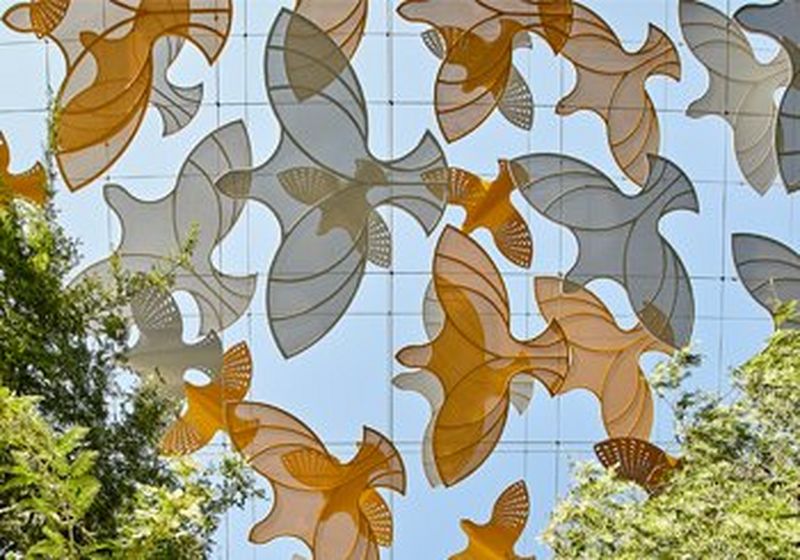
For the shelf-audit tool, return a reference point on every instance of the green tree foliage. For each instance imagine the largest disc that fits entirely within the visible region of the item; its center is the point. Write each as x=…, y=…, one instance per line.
x=79, y=465
x=737, y=494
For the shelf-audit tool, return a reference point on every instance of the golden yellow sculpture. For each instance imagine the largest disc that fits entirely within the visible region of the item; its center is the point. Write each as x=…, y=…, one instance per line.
x=477, y=41
x=341, y=20
x=468, y=368
x=207, y=404
x=488, y=205
x=611, y=83
x=605, y=358
x=333, y=507
x=118, y=55
x=30, y=185
x=638, y=461
x=496, y=539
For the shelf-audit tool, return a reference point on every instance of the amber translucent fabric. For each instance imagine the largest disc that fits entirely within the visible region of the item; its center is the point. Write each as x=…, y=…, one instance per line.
x=474, y=358
x=30, y=185
x=117, y=64
x=478, y=38
x=333, y=507
x=496, y=538
x=341, y=20
x=207, y=404
x=605, y=358
x=610, y=82
x=638, y=461
x=488, y=205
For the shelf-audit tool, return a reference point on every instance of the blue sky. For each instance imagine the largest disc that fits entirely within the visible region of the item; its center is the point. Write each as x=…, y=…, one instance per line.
x=343, y=382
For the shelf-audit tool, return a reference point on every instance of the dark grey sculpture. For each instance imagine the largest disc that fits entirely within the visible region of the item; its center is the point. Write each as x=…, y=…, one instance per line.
x=324, y=185
x=618, y=235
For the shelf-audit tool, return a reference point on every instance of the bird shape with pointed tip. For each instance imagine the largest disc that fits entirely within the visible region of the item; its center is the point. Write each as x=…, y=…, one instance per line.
x=475, y=43
x=117, y=63
x=637, y=461
x=333, y=507
x=30, y=185
x=769, y=271
x=605, y=358
x=469, y=366
x=325, y=186
x=610, y=82
x=741, y=89
x=196, y=215
x=488, y=205
x=206, y=405
x=341, y=20
x=618, y=236
x=495, y=540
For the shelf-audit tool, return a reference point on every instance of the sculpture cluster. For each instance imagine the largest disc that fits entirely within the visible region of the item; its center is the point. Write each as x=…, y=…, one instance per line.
x=325, y=187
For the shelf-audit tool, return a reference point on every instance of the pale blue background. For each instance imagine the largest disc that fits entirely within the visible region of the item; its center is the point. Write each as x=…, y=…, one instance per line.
x=344, y=382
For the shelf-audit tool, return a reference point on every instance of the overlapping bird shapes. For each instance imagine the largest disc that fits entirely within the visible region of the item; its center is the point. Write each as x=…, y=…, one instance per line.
x=118, y=56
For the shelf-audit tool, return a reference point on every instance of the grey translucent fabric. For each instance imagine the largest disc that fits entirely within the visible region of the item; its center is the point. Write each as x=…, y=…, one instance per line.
x=781, y=21
x=155, y=232
x=160, y=350
x=741, y=89
x=769, y=270
x=617, y=235
x=324, y=185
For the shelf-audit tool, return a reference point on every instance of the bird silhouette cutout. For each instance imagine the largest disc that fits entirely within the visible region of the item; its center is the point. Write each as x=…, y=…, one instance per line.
x=605, y=358
x=488, y=205
x=781, y=21
x=118, y=56
x=30, y=185
x=741, y=89
x=769, y=271
x=160, y=351
x=341, y=20
x=207, y=405
x=196, y=214
x=333, y=507
x=610, y=82
x=618, y=236
x=475, y=43
x=496, y=539
x=468, y=368
x=637, y=461
x=324, y=185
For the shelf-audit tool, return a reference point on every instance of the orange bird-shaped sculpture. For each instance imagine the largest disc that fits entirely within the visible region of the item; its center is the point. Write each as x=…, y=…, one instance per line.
x=118, y=55
x=638, y=461
x=488, y=205
x=468, y=368
x=333, y=507
x=207, y=404
x=30, y=184
x=496, y=539
x=605, y=358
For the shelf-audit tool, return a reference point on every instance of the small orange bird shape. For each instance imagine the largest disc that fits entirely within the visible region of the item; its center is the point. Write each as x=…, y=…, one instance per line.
x=207, y=404
x=638, y=461
x=488, y=205
x=333, y=507
x=30, y=184
x=496, y=539
x=468, y=370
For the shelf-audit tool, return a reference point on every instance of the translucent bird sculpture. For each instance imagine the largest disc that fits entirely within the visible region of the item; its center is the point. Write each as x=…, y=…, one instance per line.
x=333, y=507
x=30, y=185
x=638, y=461
x=324, y=185
x=468, y=369
x=118, y=56
x=341, y=20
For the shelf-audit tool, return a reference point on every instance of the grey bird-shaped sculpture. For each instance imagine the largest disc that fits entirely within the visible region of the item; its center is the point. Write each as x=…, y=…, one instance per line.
x=618, y=235
x=770, y=271
x=741, y=90
x=781, y=21
x=154, y=232
x=324, y=185
x=160, y=350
